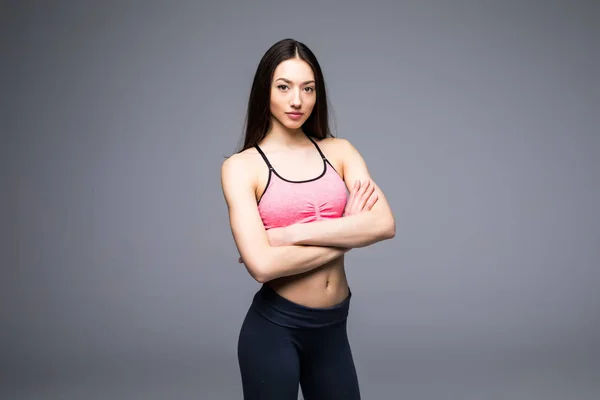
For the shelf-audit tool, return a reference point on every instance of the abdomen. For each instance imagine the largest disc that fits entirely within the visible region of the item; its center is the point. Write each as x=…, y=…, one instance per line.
x=324, y=286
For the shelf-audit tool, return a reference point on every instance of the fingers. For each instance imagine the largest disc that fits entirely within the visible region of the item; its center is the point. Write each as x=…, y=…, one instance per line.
x=371, y=202
x=369, y=188
x=362, y=197
x=366, y=192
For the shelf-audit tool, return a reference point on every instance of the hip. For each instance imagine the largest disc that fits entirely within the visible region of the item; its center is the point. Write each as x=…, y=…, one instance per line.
x=287, y=313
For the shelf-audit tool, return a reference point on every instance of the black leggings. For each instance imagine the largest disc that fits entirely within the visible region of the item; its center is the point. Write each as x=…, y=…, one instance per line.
x=283, y=345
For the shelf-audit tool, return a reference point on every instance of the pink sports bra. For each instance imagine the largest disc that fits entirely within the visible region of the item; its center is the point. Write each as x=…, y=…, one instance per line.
x=286, y=202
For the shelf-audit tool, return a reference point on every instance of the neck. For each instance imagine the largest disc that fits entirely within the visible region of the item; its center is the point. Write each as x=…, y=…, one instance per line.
x=285, y=137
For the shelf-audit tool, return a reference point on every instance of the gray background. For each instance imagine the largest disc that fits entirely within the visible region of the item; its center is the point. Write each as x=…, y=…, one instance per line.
x=479, y=119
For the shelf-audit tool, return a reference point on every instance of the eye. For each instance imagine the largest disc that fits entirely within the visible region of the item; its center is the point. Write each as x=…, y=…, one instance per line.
x=310, y=88
x=282, y=86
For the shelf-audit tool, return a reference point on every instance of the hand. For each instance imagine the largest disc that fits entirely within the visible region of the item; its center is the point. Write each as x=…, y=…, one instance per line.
x=277, y=237
x=362, y=198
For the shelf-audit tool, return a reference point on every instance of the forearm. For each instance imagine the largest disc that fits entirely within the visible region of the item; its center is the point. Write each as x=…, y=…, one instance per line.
x=352, y=231
x=296, y=259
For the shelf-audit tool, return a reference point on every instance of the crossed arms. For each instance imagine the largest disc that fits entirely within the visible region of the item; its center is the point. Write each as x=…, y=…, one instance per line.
x=300, y=248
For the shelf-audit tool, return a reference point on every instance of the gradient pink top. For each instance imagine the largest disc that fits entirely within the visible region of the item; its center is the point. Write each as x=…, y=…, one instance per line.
x=286, y=202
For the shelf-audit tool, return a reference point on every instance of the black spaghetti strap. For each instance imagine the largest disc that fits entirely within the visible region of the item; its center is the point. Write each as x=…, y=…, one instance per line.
x=264, y=157
x=318, y=148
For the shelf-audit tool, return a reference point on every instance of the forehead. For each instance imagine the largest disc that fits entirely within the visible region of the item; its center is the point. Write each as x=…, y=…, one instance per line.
x=295, y=70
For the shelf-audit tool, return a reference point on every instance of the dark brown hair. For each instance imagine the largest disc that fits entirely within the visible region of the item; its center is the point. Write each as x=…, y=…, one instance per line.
x=258, y=116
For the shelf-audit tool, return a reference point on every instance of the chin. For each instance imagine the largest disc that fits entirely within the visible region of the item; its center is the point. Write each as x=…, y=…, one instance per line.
x=294, y=125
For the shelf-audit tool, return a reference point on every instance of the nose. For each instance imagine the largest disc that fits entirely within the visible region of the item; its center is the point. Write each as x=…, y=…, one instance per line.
x=295, y=100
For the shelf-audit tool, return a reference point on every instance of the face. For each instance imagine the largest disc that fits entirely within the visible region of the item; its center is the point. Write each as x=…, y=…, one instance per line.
x=293, y=93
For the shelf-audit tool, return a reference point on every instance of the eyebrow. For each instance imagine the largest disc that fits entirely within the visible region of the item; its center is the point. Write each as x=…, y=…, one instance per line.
x=288, y=81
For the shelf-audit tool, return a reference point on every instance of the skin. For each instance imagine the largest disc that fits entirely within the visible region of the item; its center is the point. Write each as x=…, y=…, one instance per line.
x=361, y=198
x=303, y=262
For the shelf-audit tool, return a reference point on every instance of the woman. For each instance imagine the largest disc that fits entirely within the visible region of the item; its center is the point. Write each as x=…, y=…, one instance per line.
x=298, y=200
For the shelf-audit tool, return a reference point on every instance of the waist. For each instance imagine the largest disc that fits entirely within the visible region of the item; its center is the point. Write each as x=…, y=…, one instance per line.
x=284, y=312
x=319, y=288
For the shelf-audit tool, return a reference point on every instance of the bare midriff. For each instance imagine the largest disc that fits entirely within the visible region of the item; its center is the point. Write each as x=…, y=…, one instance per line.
x=322, y=287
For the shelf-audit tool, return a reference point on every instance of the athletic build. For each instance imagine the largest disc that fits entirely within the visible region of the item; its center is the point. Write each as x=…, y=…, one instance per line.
x=292, y=221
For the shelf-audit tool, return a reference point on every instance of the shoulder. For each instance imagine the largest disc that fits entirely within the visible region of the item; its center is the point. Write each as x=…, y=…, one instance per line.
x=240, y=167
x=338, y=147
x=242, y=160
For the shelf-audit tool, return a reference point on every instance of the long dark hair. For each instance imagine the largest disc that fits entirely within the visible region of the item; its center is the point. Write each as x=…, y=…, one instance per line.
x=258, y=116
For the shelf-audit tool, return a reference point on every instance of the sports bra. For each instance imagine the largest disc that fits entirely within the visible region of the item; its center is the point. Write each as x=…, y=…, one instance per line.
x=285, y=202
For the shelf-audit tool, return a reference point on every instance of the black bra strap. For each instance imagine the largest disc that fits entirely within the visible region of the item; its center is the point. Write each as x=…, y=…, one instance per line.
x=318, y=148
x=264, y=157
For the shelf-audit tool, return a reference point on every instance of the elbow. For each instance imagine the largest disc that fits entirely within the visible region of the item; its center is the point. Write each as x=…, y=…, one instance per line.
x=254, y=269
x=392, y=232
x=262, y=277
x=389, y=230
x=385, y=226
x=261, y=265
x=260, y=272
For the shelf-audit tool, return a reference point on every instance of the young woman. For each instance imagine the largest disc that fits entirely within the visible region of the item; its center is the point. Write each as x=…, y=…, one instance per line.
x=298, y=200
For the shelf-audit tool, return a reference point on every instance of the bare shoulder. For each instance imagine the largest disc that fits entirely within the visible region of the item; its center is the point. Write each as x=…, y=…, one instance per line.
x=339, y=148
x=240, y=168
x=241, y=161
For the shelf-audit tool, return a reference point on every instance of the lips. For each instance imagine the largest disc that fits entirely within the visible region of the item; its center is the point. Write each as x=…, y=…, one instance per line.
x=295, y=116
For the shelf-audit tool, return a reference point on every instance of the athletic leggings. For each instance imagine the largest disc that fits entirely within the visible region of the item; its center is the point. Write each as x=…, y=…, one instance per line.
x=283, y=346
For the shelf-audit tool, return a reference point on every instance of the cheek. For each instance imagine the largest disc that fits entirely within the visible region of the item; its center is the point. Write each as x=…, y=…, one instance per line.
x=276, y=102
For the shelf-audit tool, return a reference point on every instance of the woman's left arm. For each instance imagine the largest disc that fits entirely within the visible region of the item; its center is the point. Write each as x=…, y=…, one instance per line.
x=351, y=231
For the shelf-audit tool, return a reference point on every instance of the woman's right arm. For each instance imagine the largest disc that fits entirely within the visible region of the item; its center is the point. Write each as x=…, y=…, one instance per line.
x=263, y=261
